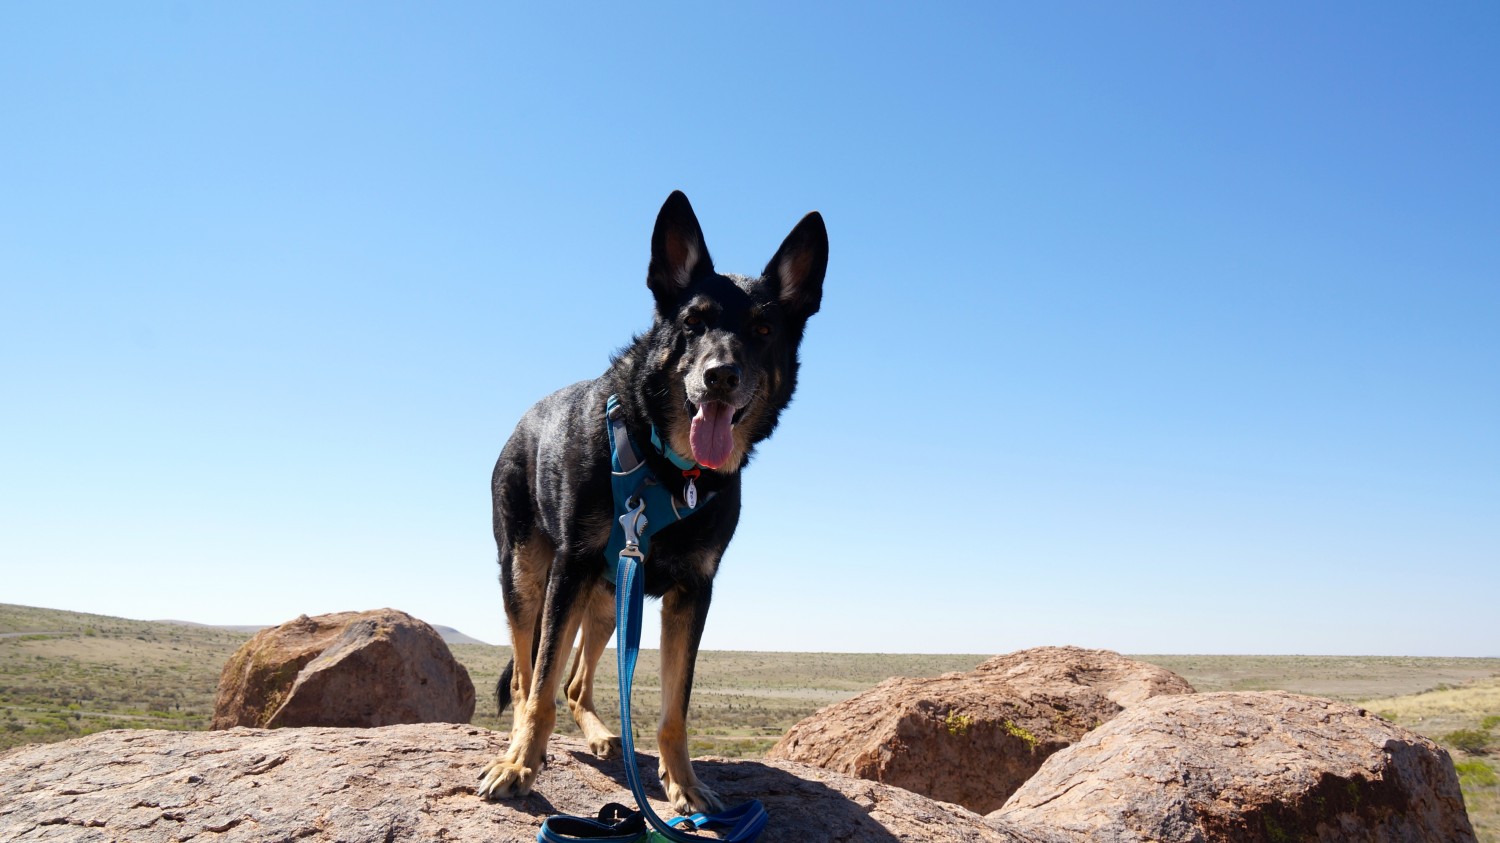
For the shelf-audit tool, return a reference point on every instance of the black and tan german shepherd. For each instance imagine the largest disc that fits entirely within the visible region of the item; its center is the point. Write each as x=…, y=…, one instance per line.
x=711, y=376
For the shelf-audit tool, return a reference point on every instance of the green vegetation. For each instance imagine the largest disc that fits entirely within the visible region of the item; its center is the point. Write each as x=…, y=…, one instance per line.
x=1274, y=832
x=64, y=674
x=1472, y=741
x=1476, y=773
x=958, y=724
x=1025, y=737
x=1481, y=787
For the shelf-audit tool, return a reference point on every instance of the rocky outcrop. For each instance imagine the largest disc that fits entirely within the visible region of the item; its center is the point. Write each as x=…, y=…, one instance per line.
x=973, y=738
x=350, y=669
x=404, y=783
x=1248, y=768
x=1209, y=768
x=1122, y=681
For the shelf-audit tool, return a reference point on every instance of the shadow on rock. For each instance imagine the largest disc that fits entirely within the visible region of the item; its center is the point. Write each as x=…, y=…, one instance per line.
x=800, y=809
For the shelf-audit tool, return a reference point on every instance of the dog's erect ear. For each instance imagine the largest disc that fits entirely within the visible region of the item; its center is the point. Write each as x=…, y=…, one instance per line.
x=799, y=266
x=678, y=253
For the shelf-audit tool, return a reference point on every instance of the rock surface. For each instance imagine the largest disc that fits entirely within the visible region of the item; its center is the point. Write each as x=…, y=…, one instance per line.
x=1246, y=767
x=350, y=669
x=973, y=738
x=405, y=783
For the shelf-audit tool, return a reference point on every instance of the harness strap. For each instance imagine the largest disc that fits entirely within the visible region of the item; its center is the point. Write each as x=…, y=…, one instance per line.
x=620, y=444
x=631, y=479
x=677, y=459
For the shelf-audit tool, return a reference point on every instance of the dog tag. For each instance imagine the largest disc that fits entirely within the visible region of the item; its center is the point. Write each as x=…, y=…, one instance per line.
x=691, y=494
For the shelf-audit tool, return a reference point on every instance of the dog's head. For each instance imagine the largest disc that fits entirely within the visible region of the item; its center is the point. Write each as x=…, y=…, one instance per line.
x=721, y=355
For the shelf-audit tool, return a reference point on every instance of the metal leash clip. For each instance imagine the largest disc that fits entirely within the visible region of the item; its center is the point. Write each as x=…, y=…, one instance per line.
x=634, y=521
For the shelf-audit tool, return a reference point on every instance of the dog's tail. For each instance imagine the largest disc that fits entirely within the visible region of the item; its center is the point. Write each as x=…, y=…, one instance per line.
x=502, y=688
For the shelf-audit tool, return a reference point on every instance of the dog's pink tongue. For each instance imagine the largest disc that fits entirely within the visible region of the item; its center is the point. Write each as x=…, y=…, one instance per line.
x=712, y=434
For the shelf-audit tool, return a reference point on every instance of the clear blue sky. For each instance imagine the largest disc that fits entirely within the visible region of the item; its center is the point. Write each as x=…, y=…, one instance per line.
x=1155, y=327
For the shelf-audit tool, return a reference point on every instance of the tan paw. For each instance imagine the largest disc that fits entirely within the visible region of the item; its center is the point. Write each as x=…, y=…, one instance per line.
x=692, y=799
x=502, y=778
x=606, y=746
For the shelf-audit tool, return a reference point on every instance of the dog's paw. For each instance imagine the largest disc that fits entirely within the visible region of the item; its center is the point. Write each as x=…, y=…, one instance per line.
x=605, y=746
x=692, y=799
x=502, y=778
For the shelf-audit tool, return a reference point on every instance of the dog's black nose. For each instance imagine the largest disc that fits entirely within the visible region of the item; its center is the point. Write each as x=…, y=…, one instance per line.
x=724, y=376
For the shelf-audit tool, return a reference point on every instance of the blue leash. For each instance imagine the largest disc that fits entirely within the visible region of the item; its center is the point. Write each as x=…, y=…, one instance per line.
x=615, y=822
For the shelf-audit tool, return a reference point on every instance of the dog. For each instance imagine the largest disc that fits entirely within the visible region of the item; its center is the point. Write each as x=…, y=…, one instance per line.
x=710, y=378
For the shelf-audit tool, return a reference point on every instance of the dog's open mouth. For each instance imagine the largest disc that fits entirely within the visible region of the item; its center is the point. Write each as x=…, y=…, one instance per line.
x=712, y=433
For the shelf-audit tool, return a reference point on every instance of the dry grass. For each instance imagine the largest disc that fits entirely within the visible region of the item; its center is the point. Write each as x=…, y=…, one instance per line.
x=66, y=674
x=1473, y=708
x=1347, y=678
x=1442, y=710
x=742, y=701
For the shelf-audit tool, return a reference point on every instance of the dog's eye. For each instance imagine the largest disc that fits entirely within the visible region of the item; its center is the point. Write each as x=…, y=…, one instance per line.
x=693, y=320
x=763, y=329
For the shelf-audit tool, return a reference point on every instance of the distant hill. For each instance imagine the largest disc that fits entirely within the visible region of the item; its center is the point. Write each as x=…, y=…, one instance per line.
x=453, y=636
x=450, y=635
x=30, y=620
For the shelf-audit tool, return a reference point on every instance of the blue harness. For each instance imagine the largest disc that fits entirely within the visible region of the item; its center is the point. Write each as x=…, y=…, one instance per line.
x=632, y=481
x=643, y=506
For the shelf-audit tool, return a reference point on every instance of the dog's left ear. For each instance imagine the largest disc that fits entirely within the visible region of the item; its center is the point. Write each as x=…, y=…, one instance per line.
x=799, y=266
x=678, y=253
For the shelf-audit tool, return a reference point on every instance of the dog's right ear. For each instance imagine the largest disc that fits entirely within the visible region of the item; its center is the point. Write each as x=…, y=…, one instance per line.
x=678, y=253
x=799, y=266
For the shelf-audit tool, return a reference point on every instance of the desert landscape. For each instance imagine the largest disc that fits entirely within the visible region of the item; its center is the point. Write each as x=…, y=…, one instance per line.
x=65, y=675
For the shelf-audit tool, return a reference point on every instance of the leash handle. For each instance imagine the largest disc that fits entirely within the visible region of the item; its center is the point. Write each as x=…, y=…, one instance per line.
x=616, y=824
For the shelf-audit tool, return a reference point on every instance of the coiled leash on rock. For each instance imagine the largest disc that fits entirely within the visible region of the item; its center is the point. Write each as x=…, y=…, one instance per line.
x=635, y=490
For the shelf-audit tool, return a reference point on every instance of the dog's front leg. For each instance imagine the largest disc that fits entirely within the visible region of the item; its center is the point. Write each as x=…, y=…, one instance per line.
x=682, y=617
x=514, y=773
x=598, y=625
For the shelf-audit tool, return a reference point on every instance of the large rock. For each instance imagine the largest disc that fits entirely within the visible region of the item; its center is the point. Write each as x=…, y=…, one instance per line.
x=404, y=783
x=1248, y=768
x=973, y=738
x=352, y=669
